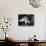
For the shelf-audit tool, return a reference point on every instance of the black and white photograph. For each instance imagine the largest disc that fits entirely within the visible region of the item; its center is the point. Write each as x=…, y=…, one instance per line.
x=26, y=20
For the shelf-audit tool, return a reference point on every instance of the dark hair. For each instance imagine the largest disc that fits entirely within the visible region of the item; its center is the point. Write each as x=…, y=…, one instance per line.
x=34, y=35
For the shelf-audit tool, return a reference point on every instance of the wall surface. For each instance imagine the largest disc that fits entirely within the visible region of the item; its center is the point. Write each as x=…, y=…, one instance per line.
x=11, y=8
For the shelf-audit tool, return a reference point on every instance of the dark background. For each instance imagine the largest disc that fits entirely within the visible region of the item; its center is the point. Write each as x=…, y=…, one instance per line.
x=30, y=19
